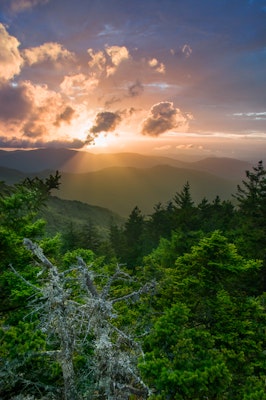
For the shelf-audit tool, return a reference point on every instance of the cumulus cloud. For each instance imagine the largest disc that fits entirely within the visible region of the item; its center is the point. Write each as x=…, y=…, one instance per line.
x=117, y=54
x=164, y=117
x=22, y=5
x=10, y=58
x=33, y=112
x=105, y=122
x=136, y=89
x=48, y=51
x=108, y=61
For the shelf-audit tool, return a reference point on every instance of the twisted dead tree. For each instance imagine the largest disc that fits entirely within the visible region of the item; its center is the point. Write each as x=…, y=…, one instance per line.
x=74, y=312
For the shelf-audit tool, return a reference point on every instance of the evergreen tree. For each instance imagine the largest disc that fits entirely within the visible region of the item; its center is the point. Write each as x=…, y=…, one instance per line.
x=185, y=210
x=133, y=233
x=251, y=197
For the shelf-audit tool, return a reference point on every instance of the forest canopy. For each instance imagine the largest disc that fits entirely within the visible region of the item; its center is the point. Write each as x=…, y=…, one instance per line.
x=168, y=306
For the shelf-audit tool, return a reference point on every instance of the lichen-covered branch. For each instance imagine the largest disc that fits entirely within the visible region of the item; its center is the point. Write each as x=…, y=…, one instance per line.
x=72, y=314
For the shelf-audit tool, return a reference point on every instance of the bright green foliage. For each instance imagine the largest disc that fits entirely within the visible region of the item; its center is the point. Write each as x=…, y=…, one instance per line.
x=211, y=337
x=181, y=360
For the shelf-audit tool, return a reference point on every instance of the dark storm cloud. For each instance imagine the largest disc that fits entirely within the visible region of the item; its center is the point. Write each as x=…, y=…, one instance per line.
x=164, y=117
x=105, y=122
x=136, y=89
x=14, y=103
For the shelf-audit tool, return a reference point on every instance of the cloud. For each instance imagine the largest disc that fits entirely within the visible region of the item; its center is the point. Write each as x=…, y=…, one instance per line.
x=136, y=89
x=22, y=5
x=105, y=122
x=65, y=116
x=79, y=83
x=10, y=58
x=159, y=67
x=48, y=51
x=25, y=143
x=185, y=146
x=164, y=117
x=98, y=59
x=108, y=61
x=33, y=112
x=46, y=105
x=187, y=50
x=117, y=54
x=251, y=115
x=15, y=103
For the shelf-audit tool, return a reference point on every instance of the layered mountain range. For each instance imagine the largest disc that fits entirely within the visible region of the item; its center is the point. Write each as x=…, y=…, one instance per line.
x=121, y=181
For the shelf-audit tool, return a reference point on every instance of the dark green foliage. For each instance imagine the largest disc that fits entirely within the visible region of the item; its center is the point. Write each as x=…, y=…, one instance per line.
x=251, y=236
x=19, y=338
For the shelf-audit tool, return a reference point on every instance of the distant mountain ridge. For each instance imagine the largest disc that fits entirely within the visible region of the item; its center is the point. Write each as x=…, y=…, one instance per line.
x=119, y=182
x=66, y=160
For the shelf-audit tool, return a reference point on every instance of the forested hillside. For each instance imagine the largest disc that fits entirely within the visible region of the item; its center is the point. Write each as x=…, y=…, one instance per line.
x=165, y=305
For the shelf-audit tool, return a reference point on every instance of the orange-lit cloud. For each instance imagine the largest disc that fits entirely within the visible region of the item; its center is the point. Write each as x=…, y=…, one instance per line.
x=155, y=64
x=185, y=146
x=34, y=113
x=10, y=58
x=78, y=84
x=108, y=60
x=164, y=117
x=47, y=51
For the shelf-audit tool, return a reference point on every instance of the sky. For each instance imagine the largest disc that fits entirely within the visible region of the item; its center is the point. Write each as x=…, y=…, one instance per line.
x=166, y=77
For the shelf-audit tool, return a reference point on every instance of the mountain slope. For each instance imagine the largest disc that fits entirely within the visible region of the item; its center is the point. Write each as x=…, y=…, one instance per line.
x=121, y=189
x=60, y=213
